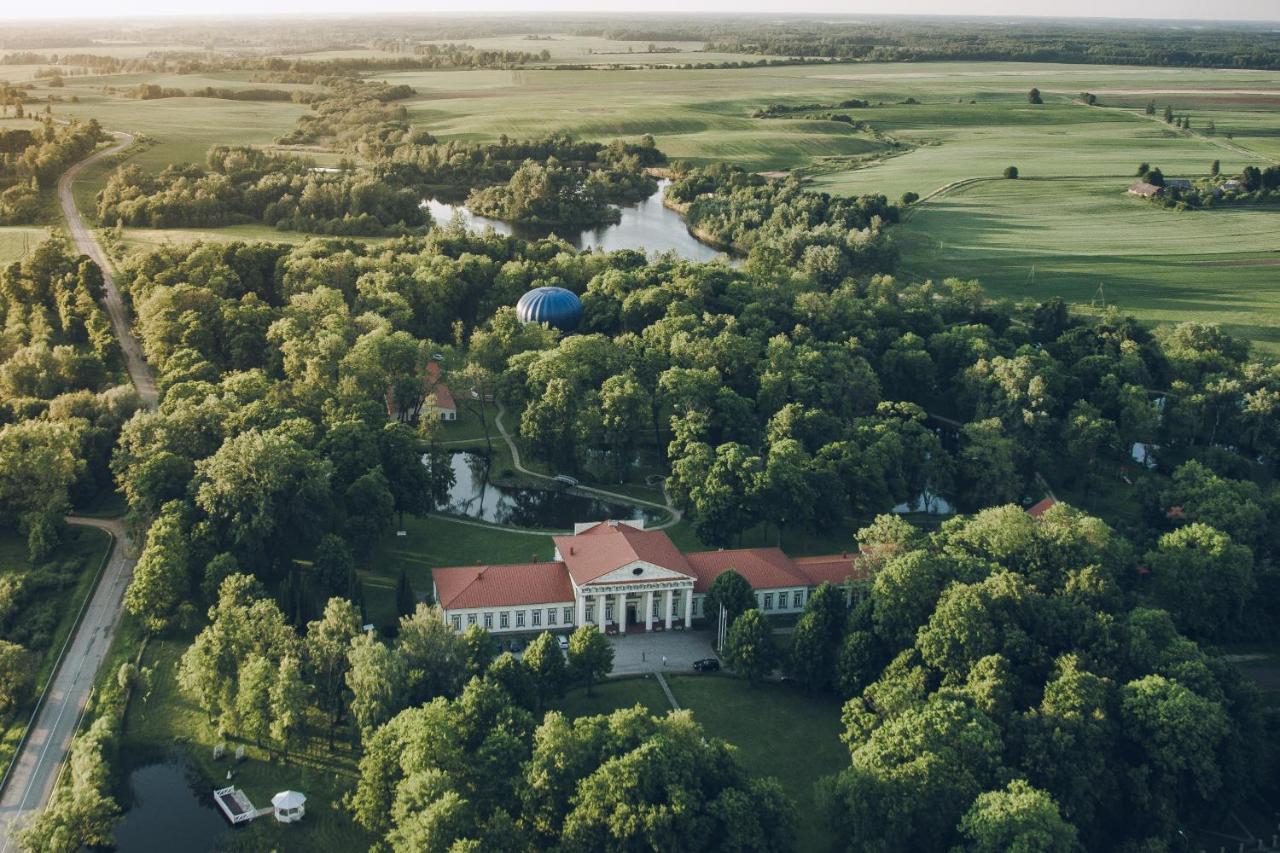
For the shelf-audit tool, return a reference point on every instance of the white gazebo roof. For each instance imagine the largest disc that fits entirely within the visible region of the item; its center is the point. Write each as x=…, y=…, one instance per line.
x=288, y=800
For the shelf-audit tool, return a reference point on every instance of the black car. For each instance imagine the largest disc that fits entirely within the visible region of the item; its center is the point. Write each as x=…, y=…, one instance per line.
x=707, y=665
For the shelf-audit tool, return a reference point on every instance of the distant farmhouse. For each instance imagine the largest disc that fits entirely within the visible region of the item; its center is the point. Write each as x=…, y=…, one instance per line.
x=1145, y=189
x=621, y=577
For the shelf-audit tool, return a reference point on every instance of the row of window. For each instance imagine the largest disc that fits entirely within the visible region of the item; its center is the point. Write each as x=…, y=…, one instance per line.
x=535, y=618
x=787, y=600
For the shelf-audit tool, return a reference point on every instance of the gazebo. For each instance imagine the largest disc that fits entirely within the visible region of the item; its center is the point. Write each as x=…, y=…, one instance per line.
x=289, y=806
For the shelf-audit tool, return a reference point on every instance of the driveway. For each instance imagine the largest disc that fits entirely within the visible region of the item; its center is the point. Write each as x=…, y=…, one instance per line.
x=636, y=653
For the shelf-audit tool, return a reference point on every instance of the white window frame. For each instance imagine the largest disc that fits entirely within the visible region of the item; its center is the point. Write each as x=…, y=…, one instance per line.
x=519, y=618
x=568, y=616
x=535, y=620
x=488, y=621
x=504, y=620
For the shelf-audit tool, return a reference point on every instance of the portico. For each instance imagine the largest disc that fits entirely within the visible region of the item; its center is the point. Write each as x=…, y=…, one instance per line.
x=657, y=606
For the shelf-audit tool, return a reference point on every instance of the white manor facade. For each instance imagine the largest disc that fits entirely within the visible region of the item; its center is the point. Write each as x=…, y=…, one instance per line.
x=621, y=577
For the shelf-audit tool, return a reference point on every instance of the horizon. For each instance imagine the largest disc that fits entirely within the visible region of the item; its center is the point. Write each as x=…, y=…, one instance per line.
x=1136, y=11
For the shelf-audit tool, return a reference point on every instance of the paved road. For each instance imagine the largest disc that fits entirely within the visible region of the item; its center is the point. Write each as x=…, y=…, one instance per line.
x=139, y=370
x=49, y=738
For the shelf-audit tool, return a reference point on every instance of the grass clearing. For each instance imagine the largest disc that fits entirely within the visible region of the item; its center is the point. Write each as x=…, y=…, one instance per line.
x=778, y=731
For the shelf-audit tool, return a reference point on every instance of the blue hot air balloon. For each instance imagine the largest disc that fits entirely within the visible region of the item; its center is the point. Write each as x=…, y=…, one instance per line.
x=559, y=308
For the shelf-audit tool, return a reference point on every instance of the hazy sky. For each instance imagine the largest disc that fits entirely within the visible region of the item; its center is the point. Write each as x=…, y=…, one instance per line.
x=1196, y=9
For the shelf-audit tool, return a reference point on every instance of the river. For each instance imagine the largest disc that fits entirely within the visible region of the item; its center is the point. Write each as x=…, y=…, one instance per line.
x=649, y=226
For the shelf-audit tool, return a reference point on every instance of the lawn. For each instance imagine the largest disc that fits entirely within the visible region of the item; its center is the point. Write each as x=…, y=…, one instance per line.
x=166, y=720
x=84, y=549
x=614, y=694
x=778, y=731
x=431, y=542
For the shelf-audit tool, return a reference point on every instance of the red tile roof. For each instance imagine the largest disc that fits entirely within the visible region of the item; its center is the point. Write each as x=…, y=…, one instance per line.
x=608, y=545
x=763, y=568
x=444, y=399
x=1041, y=508
x=835, y=568
x=502, y=585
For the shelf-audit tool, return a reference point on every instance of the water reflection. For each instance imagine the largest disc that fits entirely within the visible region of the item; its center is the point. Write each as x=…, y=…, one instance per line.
x=646, y=225
x=171, y=810
x=474, y=496
x=926, y=502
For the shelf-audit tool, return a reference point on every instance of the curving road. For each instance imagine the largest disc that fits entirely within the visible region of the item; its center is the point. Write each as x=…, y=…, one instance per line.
x=35, y=770
x=139, y=370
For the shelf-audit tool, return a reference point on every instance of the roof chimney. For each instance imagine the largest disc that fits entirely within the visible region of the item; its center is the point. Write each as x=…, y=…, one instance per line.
x=572, y=550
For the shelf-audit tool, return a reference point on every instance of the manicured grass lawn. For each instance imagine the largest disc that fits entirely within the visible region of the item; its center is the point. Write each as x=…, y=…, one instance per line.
x=86, y=548
x=433, y=542
x=613, y=694
x=778, y=731
x=166, y=720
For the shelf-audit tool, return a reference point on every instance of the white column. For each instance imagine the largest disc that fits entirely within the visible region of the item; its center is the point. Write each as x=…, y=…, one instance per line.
x=581, y=600
x=688, y=607
x=620, y=609
x=600, y=611
x=668, y=602
x=648, y=610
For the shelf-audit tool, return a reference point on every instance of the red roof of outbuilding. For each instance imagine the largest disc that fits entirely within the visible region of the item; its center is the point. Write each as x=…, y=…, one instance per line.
x=502, y=585
x=610, y=545
x=1041, y=508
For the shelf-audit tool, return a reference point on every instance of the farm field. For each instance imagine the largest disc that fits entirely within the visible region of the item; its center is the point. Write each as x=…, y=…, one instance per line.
x=1040, y=238
x=952, y=122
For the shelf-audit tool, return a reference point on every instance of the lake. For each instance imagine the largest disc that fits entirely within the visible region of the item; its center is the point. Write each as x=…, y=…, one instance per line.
x=474, y=496
x=648, y=226
x=172, y=809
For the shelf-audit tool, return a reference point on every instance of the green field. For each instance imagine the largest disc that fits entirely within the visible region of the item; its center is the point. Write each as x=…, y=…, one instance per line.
x=955, y=125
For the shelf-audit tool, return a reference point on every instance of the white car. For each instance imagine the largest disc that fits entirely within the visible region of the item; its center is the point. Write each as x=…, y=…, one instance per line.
x=564, y=642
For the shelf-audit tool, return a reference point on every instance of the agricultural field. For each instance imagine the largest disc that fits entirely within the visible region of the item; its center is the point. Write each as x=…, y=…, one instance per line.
x=943, y=130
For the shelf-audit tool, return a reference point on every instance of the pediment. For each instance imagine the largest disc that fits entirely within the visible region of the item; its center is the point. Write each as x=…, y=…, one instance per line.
x=639, y=571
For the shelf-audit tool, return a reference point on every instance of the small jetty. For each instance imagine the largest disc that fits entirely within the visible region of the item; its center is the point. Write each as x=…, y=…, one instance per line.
x=287, y=806
x=236, y=807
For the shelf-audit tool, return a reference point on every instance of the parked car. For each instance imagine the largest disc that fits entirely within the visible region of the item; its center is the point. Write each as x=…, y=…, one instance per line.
x=564, y=642
x=516, y=645
x=707, y=665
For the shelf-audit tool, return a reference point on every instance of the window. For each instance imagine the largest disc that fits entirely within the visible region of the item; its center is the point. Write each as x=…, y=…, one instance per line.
x=782, y=600
x=488, y=621
x=799, y=602
x=608, y=612
x=471, y=619
x=657, y=603
x=551, y=616
x=457, y=623
x=568, y=616
x=697, y=606
x=504, y=619
x=768, y=601
x=537, y=618
x=591, y=613
x=519, y=618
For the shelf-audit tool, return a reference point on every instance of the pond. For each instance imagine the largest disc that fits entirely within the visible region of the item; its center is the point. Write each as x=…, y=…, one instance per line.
x=926, y=502
x=475, y=496
x=647, y=225
x=172, y=810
